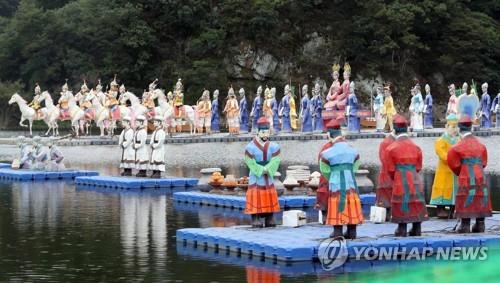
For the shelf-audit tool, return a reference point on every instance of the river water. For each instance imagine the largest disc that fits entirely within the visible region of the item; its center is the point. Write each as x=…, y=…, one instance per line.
x=54, y=231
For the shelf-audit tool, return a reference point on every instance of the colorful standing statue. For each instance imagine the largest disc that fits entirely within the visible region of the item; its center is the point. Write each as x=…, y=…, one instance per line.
x=416, y=109
x=267, y=109
x=63, y=103
x=467, y=159
x=485, y=110
x=178, y=103
x=293, y=112
x=353, y=123
x=85, y=104
x=157, y=143
x=35, y=103
x=305, y=111
x=428, y=114
x=404, y=162
x=232, y=111
x=263, y=159
x=243, y=111
x=338, y=164
x=445, y=184
x=204, y=109
x=112, y=101
x=126, y=142
x=284, y=111
x=256, y=112
x=384, y=187
x=141, y=150
x=331, y=97
x=388, y=111
x=215, y=118
x=323, y=191
x=56, y=156
x=453, y=101
x=468, y=104
x=495, y=107
x=378, y=108
x=275, y=109
x=317, y=109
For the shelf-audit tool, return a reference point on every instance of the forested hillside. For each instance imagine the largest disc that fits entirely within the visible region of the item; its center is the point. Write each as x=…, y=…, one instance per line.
x=212, y=44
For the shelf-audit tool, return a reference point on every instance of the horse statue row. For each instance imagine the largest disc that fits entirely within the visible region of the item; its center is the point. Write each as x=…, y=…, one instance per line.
x=98, y=113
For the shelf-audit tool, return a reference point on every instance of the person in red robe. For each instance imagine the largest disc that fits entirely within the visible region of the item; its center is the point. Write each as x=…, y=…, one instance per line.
x=384, y=187
x=404, y=162
x=467, y=159
x=322, y=193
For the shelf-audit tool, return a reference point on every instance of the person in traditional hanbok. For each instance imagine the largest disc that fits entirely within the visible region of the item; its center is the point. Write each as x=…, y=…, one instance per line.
x=275, y=109
x=404, y=162
x=284, y=111
x=353, y=124
x=204, y=109
x=453, y=101
x=331, y=97
x=215, y=113
x=388, y=111
x=428, y=114
x=467, y=159
x=256, y=111
x=378, y=107
x=243, y=111
x=157, y=144
x=232, y=111
x=126, y=142
x=262, y=158
x=305, y=111
x=485, y=108
x=445, y=184
x=317, y=109
x=40, y=155
x=416, y=109
x=56, y=156
x=338, y=164
x=384, y=187
x=141, y=150
x=495, y=108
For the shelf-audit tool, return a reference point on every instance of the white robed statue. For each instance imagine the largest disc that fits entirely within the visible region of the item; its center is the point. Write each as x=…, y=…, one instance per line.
x=141, y=150
x=157, y=143
x=126, y=142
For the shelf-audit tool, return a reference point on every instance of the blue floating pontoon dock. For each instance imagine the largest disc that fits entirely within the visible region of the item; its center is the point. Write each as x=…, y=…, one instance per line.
x=302, y=243
x=238, y=202
x=135, y=183
x=33, y=175
x=5, y=165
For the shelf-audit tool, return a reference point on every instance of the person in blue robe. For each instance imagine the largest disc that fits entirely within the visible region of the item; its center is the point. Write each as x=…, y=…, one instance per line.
x=485, y=108
x=353, y=124
x=215, y=118
x=284, y=111
x=243, y=112
x=305, y=111
x=428, y=114
x=256, y=112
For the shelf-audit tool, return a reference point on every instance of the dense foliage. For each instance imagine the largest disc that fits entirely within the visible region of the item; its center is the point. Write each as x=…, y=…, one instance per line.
x=400, y=41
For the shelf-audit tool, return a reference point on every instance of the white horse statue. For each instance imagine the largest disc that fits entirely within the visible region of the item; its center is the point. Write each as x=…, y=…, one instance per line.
x=100, y=113
x=27, y=113
x=136, y=107
x=76, y=114
x=51, y=113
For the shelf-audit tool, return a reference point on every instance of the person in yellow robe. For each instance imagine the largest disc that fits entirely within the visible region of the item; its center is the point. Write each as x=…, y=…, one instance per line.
x=388, y=111
x=445, y=184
